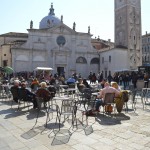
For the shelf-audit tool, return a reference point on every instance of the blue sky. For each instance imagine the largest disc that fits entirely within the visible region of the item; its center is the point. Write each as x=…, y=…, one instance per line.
x=16, y=15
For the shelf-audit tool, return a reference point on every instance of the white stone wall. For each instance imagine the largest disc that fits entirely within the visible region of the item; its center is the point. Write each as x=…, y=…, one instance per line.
x=118, y=62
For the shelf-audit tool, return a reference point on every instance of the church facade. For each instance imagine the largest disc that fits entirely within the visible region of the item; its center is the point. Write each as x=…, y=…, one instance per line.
x=57, y=46
x=67, y=51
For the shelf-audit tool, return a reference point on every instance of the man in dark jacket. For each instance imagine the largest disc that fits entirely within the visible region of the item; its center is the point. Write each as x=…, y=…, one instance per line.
x=26, y=95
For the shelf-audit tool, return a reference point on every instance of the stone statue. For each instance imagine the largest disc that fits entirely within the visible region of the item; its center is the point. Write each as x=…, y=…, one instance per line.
x=88, y=29
x=48, y=23
x=31, y=24
x=74, y=26
x=61, y=18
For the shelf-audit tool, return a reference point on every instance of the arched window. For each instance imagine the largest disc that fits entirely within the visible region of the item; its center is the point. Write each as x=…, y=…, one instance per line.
x=95, y=61
x=81, y=60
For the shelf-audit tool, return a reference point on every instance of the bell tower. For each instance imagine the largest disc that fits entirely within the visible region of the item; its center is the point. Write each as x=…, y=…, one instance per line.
x=128, y=30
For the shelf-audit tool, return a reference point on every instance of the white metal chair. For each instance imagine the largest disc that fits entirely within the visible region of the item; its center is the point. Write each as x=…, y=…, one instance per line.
x=68, y=108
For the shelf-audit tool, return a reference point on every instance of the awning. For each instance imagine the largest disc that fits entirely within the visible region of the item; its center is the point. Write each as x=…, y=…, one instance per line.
x=43, y=68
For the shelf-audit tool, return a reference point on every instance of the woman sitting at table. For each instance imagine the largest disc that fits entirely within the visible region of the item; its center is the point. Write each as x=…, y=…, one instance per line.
x=43, y=92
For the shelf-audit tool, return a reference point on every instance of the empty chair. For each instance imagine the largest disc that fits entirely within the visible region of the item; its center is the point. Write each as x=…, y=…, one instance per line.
x=68, y=108
x=85, y=97
x=53, y=108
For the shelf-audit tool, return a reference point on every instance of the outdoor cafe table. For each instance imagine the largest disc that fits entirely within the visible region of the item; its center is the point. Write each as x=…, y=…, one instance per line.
x=61, y=98
x=70, y=90
x=95, y=93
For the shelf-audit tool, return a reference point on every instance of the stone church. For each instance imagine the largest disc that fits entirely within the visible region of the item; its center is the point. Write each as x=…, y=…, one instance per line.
x=64, y=49
x=57, y=46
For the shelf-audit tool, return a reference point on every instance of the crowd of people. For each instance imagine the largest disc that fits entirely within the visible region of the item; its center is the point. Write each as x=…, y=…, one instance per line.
x=44, y=87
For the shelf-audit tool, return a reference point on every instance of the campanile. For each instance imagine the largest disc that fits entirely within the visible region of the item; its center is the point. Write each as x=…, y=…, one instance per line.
x=128, y=30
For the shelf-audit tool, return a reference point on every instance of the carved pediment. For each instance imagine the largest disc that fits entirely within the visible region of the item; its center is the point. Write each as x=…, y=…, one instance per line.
x=62, y=29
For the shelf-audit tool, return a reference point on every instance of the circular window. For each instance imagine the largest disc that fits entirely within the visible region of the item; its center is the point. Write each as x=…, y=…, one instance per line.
x=61, y=41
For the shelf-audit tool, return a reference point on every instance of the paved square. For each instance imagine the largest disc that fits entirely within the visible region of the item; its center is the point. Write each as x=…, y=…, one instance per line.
x=111, y=132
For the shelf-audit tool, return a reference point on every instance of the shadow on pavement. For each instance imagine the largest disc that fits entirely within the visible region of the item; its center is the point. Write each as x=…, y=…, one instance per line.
x=111, y=119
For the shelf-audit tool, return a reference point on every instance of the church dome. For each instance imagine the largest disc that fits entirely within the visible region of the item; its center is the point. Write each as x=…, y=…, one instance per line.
x=50, y=20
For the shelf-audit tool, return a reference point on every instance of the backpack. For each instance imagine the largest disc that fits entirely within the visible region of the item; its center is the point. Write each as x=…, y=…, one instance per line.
x=125, y=96
x=108, y=108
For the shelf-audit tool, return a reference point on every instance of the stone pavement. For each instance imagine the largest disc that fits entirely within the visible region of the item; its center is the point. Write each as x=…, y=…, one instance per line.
x=112, y=132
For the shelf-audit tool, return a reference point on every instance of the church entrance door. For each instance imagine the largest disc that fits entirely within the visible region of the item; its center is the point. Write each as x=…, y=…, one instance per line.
x=60, y=70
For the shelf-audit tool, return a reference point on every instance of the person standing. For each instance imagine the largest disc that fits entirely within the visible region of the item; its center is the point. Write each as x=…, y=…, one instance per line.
x=146, y=80
x=134, y=79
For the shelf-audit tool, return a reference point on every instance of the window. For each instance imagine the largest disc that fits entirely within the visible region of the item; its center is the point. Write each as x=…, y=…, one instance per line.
x=109, y=58
x=95, y=61
x=105, y=73
x=81, y=60
x=5, y=63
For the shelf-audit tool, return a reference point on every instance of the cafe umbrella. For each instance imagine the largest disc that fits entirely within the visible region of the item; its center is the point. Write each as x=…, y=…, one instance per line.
x=8, y=70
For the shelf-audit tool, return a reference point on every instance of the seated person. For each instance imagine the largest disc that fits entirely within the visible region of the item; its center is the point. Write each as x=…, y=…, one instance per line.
x=86, y=83
x=43, y=92
x=34, y=84
x=103, y=83
x=80, y=85
x=119, y=99
x=52, y=90
x=107, y=89
x=26, y=95
x=15, y=90
x=115, y=85
x=52, y=81
x=71, y=80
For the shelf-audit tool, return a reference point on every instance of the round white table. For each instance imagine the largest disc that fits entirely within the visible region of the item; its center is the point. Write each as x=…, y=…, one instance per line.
x=61, y=98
